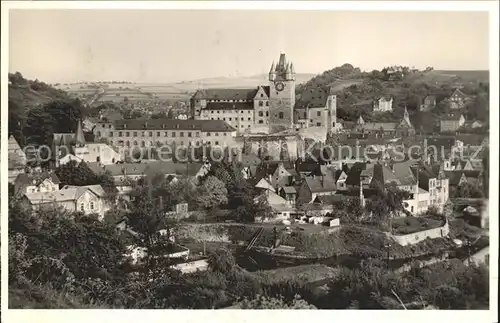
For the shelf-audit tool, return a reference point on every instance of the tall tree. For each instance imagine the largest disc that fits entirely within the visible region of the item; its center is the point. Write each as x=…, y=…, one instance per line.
x=212, y=193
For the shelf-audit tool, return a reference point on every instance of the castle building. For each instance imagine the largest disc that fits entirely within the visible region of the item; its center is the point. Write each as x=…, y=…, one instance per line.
x=267, y=108
x=129, y=134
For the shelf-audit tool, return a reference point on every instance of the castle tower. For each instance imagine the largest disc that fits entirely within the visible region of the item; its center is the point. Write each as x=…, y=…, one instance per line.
x=282, y=95
x=332, y=110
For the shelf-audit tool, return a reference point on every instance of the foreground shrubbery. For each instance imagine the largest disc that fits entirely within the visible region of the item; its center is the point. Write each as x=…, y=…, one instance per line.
x=89, y=270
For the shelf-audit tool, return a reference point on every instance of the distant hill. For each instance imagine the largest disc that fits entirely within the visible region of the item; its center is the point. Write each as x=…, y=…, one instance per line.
x=234, y=82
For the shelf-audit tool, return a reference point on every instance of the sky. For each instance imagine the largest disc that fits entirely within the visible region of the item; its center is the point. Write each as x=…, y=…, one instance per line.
x=174, y=45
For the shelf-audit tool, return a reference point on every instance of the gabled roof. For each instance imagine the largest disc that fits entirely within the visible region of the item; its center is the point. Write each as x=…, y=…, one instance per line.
x=264, y=184
x=289, y=190
x=68, y=194
x=225, y=94
x=318, y=185
x=458, y=93
x=96, y=189
x=36, y=178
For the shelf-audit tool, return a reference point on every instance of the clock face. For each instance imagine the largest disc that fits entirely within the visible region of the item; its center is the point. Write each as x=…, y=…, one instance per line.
x=280, y=86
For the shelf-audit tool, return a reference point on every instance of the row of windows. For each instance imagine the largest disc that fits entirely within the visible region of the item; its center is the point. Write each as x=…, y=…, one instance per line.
x=158, y=134
x=82, y=206
x=261, y=103
x=159, y=143
x=230, y=119
x=229, y=111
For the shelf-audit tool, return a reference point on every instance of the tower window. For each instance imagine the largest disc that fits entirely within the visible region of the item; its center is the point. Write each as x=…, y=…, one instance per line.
x=281, y=115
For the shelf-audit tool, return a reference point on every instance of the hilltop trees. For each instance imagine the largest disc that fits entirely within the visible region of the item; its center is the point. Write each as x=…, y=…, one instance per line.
x=55, y=117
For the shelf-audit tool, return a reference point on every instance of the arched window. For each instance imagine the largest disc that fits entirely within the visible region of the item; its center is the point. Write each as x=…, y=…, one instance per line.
x=143, y=144
x=128, y=143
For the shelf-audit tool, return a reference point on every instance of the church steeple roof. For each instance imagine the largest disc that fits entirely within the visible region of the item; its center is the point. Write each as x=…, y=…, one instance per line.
x=79, y=137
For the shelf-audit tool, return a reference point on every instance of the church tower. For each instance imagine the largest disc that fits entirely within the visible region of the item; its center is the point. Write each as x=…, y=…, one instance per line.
x=282, y=95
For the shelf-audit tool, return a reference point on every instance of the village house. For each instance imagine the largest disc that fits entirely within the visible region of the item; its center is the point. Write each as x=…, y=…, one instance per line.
x=457, y=100
x=312, y=187
x=36, y=182
x=403, y=128
x=435, y=181
x=281, y=208
x=452, y=122
x=125, y=174
x=462, y=177
x=428, y=103
x=87, y=199
x=317, y=108
x=383, y=104
x=289, y=193
x=16, y=159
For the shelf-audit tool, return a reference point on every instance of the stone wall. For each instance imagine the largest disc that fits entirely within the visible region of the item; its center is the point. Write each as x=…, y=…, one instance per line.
x=414, y=238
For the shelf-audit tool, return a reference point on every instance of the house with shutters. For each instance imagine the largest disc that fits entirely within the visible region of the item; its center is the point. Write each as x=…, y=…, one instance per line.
x=451, y=122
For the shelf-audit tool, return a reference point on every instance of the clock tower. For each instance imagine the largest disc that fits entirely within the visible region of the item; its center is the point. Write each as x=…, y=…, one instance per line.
x=281, y=95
